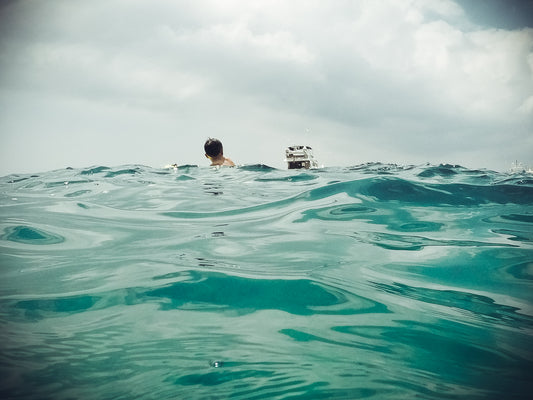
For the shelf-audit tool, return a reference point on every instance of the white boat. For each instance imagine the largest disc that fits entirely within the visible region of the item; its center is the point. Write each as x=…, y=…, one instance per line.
x=298, y=157
x=519, y=168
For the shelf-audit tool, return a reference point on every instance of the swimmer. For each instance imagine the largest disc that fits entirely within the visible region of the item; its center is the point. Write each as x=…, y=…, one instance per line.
x=215, y=153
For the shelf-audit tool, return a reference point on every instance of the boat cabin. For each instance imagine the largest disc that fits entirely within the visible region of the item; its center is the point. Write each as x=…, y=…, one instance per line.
x=300, y=157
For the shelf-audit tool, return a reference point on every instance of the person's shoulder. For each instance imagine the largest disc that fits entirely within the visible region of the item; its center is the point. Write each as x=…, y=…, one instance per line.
x=228, y=162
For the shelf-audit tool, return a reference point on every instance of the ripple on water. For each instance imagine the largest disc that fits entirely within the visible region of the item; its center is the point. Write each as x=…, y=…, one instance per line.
x=249, y=295
x=31, y=235
x=523, y=271
x=38, y=308
x=127, y=171
x=94, y=170
x=410, y=242
x=481, y=306
x=77, y=193
x=292, y=178
x=344, y=212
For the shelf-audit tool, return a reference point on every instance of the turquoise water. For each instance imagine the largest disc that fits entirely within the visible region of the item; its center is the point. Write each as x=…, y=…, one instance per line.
x=376, y=281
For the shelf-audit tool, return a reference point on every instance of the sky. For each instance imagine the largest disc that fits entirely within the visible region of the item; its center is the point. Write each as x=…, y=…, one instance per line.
x=115, y=82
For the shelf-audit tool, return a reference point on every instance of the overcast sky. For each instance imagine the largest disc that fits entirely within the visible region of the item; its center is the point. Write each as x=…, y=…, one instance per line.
x=112, y=82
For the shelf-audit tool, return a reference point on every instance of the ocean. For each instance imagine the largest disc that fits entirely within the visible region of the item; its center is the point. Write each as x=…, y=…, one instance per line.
x=370, y=282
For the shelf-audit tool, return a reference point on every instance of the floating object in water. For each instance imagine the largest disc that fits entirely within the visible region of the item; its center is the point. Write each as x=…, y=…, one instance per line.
x=216, y=363
x=300, y=157
x=173, y=166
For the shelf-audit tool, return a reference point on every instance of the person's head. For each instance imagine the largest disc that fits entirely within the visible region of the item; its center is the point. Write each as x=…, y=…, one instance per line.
x=213, y=148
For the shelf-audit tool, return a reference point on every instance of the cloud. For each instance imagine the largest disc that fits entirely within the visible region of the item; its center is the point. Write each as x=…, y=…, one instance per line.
x=397, y=81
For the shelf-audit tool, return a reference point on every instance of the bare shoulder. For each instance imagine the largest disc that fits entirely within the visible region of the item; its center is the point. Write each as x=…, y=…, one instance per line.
x=228, y=162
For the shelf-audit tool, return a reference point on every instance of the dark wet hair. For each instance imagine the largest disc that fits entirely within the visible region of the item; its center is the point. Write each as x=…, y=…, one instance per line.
x=213, y=147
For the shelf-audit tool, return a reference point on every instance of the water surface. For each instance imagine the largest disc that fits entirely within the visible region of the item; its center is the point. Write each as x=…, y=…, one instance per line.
x=376, y=281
